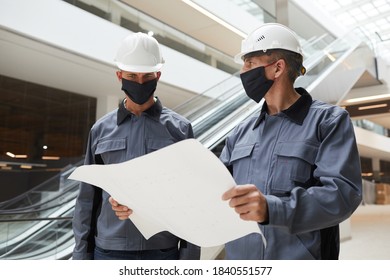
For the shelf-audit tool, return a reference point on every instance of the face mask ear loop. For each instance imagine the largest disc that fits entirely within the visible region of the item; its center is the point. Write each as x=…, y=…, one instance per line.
x=271, y=63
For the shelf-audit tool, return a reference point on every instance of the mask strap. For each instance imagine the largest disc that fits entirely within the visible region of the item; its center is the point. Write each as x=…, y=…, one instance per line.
x=270, y=64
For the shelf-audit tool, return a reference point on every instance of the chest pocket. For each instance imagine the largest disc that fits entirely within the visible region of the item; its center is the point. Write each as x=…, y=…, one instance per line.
x=112, y=150
x=294, y=166
x=240, y=160
x=156, y=144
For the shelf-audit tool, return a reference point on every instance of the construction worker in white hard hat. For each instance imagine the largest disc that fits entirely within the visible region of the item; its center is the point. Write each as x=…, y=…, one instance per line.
x=139, y=126
x=296, y=164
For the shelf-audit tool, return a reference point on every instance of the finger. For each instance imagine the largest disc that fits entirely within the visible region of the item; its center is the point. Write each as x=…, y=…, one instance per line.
x=123, y=218
x=116, y=206
x=253, y=215
x=249, y=217
x=238, y=190
x=255, y=209
x=234, y=191
x=229, y=194
x=123, y=214
x=120, y=208
x=245, y=208
x=112, y=201
x=253, y=195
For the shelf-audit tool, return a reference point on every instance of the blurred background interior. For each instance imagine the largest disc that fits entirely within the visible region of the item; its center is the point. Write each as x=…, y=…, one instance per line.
x=57, y=77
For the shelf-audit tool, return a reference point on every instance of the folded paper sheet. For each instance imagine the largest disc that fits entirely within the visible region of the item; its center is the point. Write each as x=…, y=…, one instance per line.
x=177, y=189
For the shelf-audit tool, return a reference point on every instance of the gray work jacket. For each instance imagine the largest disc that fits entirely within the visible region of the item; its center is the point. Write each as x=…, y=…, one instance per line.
x=117, y=137
x=305, y=160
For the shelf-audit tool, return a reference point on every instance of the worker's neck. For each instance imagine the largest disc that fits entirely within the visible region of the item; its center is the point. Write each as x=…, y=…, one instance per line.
x=137, y=109
x=278, y=101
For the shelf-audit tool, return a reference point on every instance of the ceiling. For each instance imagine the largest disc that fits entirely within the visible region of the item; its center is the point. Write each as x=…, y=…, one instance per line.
x=199, y=27
x=372, y=16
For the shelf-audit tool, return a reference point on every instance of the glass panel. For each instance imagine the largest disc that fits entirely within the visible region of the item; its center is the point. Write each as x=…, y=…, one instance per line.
x=44, y=239
x=384, y=171
x=43, y=132
x=369, y=125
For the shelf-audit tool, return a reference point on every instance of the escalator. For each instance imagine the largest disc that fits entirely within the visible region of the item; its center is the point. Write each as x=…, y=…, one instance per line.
x=38, y=225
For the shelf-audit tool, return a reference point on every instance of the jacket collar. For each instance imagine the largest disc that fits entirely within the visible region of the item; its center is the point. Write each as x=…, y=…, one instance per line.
x=153, y=112
x=296, y=112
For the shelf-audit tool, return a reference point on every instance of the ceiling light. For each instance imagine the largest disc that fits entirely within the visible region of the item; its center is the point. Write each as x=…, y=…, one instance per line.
x=50, y=157
x=367, y=98
x=382, y=105
x=330, y=56
x=20, y=156
x=26, y=166
x=15, y=156
x=215, y=18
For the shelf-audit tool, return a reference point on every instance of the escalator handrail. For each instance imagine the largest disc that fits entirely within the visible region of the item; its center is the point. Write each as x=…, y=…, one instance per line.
x=204, y=93
x=39, y=187
x=32, y=210
x=69, y=187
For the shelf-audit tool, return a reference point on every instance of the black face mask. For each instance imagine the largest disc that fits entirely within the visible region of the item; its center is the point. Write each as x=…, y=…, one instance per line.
x=255, y=83
x=139, y=93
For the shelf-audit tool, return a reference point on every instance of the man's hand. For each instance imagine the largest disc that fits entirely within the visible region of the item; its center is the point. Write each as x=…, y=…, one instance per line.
x=248, y=202
x=122, y=212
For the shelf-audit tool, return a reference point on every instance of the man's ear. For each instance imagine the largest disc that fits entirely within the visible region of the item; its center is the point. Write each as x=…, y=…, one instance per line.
x=119, y=75
x=158, y=75
x=280, y=66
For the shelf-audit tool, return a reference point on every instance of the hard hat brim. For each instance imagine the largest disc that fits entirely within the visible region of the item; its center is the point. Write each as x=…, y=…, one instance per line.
x=238, y=57
x=139, y=68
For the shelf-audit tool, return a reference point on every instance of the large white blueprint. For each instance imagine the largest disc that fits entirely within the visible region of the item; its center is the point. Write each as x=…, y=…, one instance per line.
x=177, y=189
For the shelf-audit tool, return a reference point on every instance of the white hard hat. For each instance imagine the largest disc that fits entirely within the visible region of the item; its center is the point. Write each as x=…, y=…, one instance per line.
x=139, y=53
x=269, y=36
